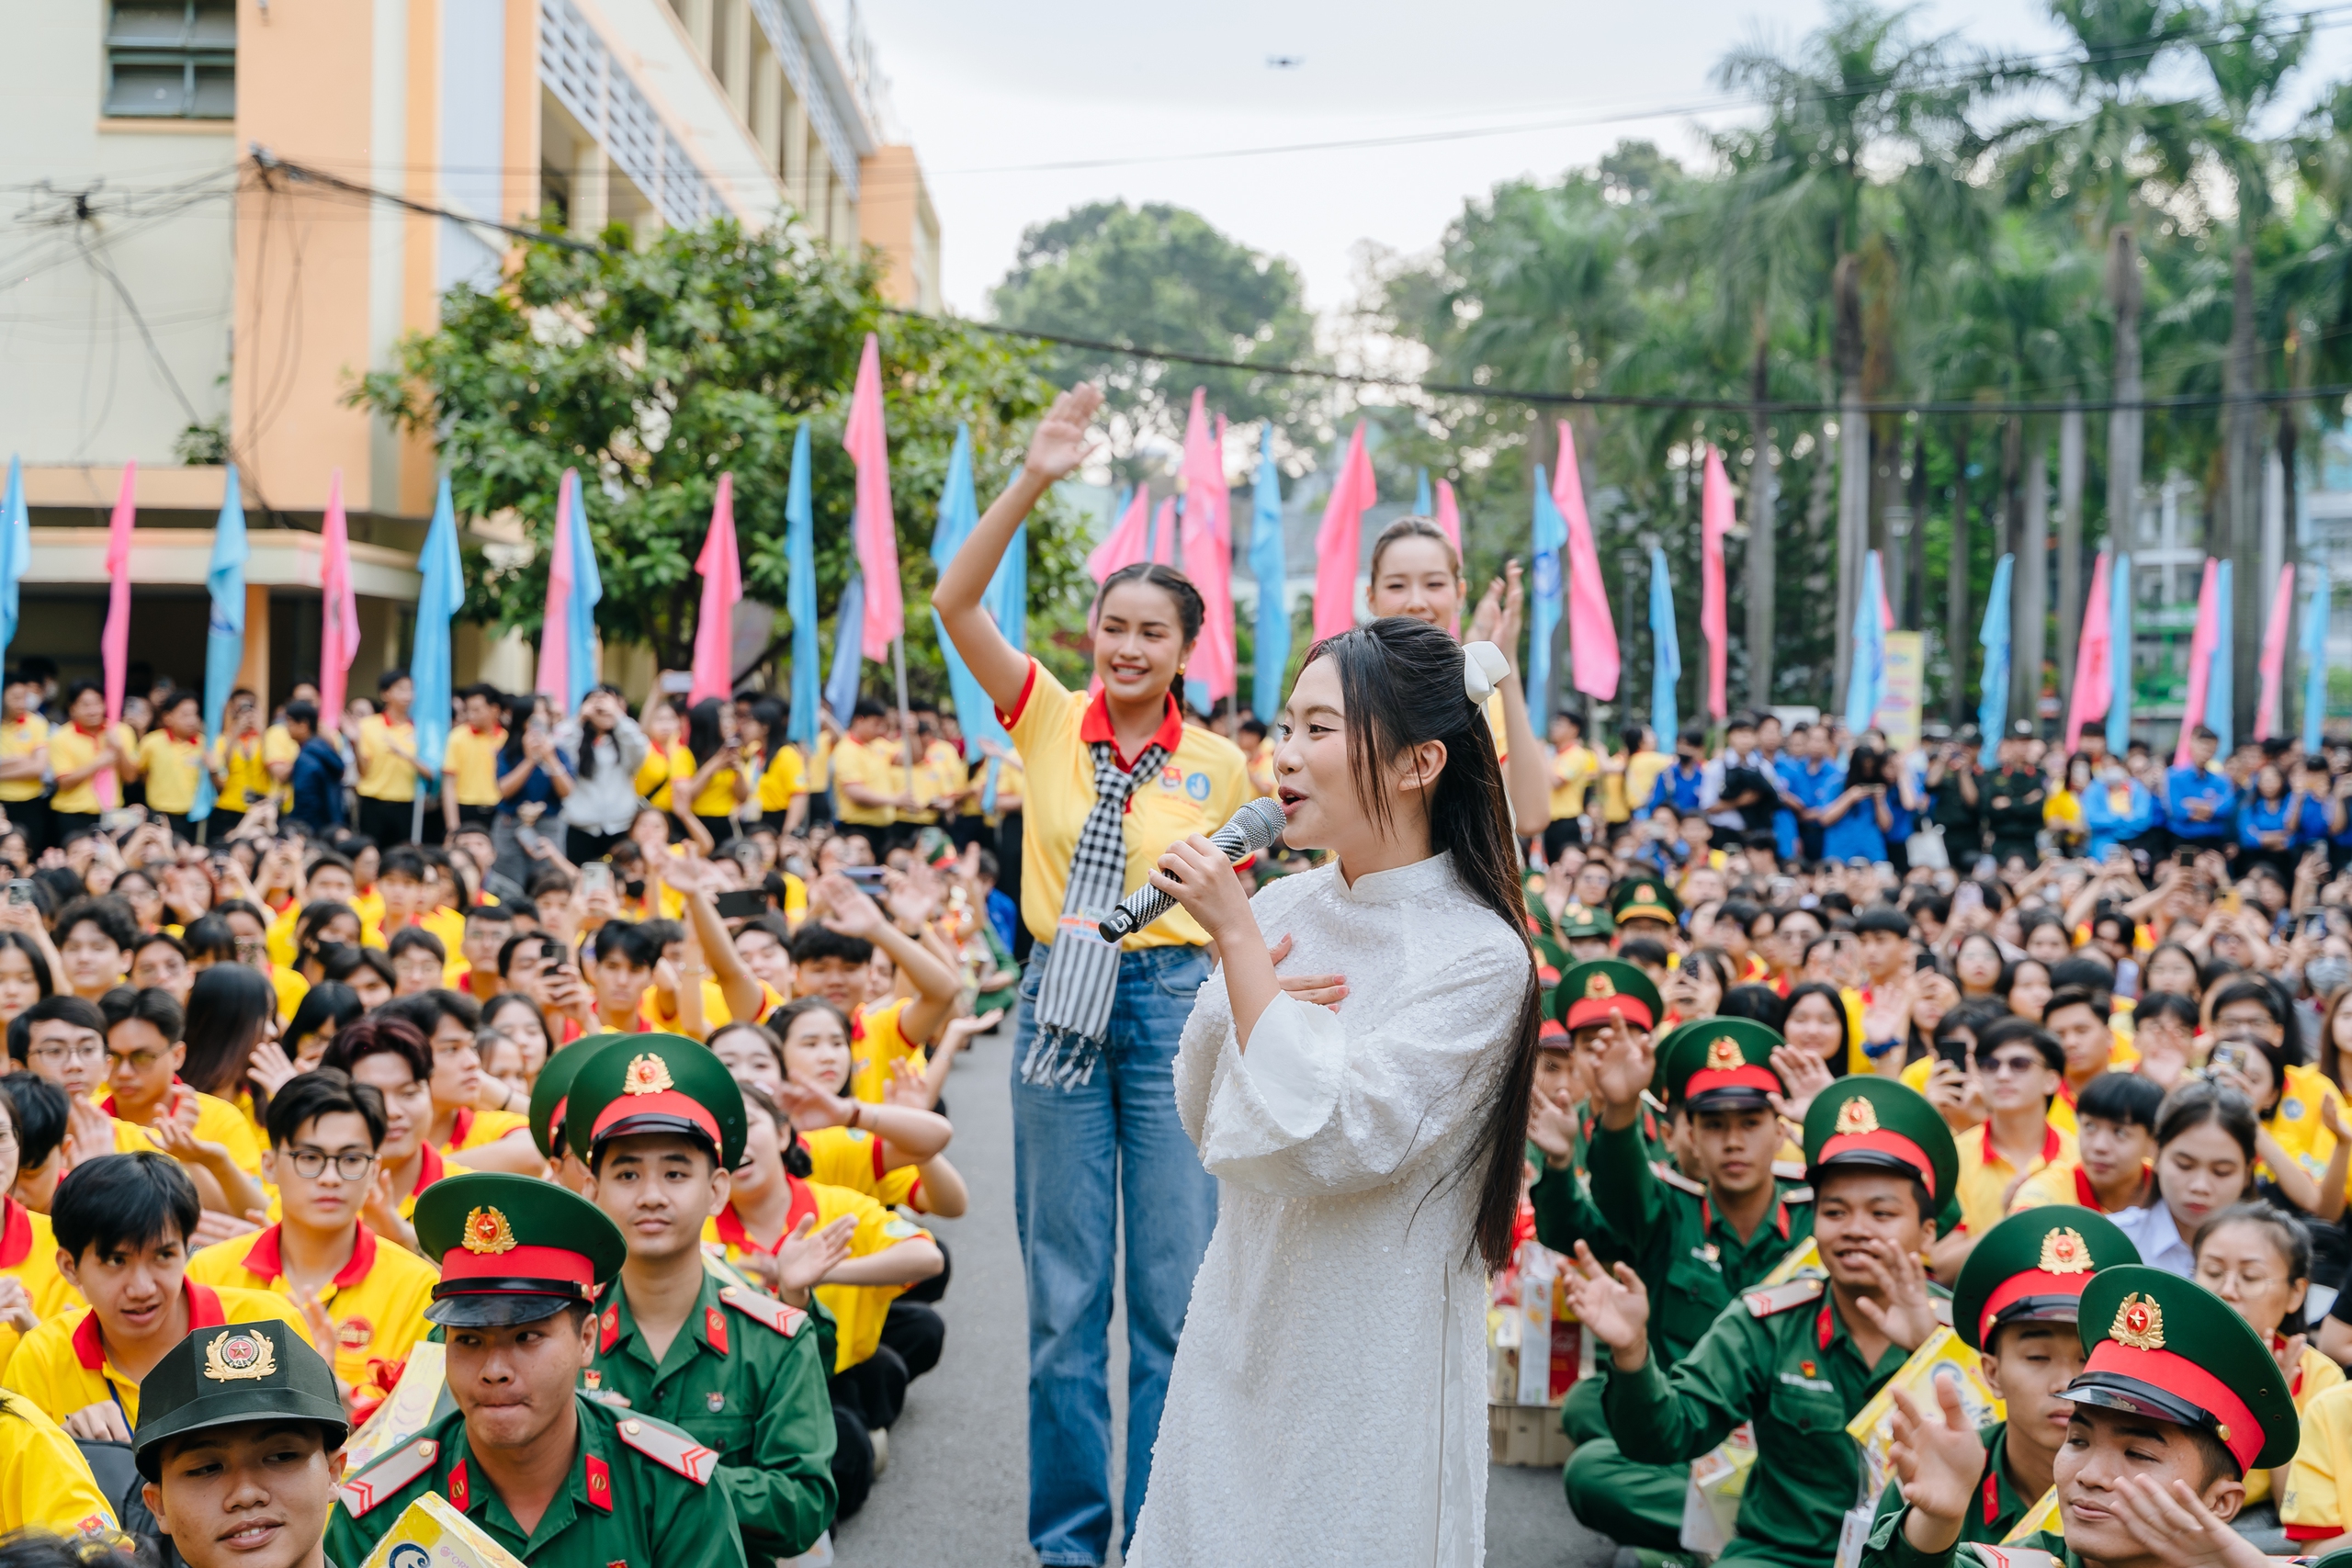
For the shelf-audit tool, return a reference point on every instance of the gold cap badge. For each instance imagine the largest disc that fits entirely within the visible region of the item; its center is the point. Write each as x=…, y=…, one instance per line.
x=1647, y=891
x=1856, y=1115
x=2064, y=1251
x=487, y=1231
x=2139, y=1323
x=1597, y=984
x=240, y=1357
x=648, y=1074
x=1723, y=1056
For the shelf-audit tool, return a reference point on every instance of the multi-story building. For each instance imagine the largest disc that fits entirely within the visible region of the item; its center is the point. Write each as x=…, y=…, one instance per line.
x=213, y=228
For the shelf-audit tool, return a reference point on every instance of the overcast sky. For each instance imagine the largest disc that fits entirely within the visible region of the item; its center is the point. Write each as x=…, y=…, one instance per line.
x=979, y=88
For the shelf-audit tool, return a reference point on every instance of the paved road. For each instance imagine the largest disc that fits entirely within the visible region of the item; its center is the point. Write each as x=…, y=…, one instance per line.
x=955, y=1494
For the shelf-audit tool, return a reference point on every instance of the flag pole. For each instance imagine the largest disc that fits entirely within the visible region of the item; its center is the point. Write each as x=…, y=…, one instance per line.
x=906, y=719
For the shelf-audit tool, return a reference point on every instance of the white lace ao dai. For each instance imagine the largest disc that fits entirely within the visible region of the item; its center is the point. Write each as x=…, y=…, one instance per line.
x=1328, y=1404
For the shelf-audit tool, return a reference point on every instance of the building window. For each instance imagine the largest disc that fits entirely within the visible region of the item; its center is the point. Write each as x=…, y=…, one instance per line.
x=172, y=59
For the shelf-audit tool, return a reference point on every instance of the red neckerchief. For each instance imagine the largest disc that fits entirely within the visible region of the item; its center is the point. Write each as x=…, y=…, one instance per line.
x=428, y=1167
x=461, y=1124
x=15, y=1233
x=730, y=1224
x=203, y=1311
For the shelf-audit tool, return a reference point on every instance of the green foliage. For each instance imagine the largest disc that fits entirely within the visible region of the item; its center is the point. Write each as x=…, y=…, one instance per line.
x=1162, y=276
x=655, y=369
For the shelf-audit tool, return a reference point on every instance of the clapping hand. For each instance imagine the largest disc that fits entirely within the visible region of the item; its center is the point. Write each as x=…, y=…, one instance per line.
x=1613, y=1305
x=1625, y=1065
x=1938, y=1459
x=16, y=1306
x=1499, y=612
x=1902, y=1310
x=1805, y=1075
x=1551, y=1127
x=2175, y=1526
x=270, y=1067
x=803, y=1258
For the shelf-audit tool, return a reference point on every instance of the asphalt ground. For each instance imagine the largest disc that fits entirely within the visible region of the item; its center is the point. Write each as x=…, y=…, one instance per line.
x=956, y=1490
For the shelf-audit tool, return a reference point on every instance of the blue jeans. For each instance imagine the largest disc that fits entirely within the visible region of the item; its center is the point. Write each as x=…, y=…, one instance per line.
x=1083, y=1160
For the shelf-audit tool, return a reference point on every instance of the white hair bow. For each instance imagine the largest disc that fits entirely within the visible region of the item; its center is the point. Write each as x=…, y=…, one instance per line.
x=1483, y=669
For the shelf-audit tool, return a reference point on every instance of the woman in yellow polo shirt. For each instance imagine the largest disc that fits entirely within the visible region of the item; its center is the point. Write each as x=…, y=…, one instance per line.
x=716, y=788
x=171, y=759
x=666, y=761
x=81, y=751
x=1113, y=781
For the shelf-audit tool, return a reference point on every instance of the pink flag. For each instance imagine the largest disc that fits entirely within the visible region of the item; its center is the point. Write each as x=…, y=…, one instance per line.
x=1593, y=631
x=2200, y=658
x=1162, y=538
x=1449, y=514
x=1207, y=558
x=2094, y=659
x=1339, y=542
x=339, y=617
x=2274, y=652
x=722, y=588
x=876, y=530
x=1714, y=624
x=555, y=624
x=1123, y=545
x=114, y=642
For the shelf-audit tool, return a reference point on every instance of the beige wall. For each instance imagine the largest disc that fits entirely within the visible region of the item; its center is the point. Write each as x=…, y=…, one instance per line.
x=894, y=215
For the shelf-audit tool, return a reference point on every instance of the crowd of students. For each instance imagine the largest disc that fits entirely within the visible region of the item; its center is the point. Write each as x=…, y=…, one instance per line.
x=236, y=1068
x=2153, y=1026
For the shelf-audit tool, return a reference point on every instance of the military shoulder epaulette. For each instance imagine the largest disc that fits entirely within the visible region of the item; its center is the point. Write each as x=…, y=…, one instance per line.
x=1788, y=1170
x=764, y=1310
x=1781, y=1298
x=1941, y=1306
x=669, y=1447
x=1797, y=1195
x=1654, y=1103
x=1675, y=1179
x=387, y=1476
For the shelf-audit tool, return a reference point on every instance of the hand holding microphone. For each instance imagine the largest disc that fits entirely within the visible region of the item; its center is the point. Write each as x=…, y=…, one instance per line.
x=1197, y=872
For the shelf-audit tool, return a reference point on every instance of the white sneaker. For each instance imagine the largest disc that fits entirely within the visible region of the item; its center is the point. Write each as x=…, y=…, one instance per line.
x=881, y=1436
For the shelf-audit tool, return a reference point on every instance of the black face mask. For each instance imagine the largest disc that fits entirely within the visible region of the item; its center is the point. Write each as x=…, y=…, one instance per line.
x=634, y=889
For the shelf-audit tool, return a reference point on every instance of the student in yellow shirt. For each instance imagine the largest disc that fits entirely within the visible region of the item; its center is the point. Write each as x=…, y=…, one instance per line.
x=717, y=788
x=239, y=760
x=470, y=761
x=2018, y=1066
x=145, y=1046
x=171, y=759
x=1575, y=768
x=279, y=747
x=122, y=1225
x=387, y=743
x=865, y=800
x=231, y=1010
x=476, y=1118
x=79, y=752
x=32, y=1290
x=666, y=760
x=390, y=1056
x=24, y=759
x=831, y=958
x=325, y=1133
x=782, y=795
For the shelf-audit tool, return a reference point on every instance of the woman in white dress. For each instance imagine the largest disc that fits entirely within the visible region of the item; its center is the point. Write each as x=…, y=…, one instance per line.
x=1328, y=1399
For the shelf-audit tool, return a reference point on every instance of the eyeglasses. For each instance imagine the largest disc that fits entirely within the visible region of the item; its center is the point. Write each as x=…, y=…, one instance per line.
x=2010, y=1067
x=136, y=1061
x=310, y=1164
x=88, y=1051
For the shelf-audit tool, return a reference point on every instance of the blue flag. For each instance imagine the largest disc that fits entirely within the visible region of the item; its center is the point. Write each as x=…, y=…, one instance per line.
x=1866, y=684
x=2219, y=695
x=849, y=617
x=1421, y=492
x=1666, y=662
x=800, y=597
x=1993, y=699
x=1551, y=536
x=959, y=514
x=1269, y=565
x=224, y=631
x=2315, y=614
x=438, y=598
x=1007, y=595
x=16, y=548
x=2119, y=632
x=587, y=592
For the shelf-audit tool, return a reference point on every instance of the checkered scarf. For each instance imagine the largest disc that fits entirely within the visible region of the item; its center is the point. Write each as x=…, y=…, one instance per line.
x=1082, y=971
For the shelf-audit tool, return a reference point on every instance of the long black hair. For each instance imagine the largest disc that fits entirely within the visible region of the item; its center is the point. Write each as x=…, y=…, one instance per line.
x=1400, y=684
x=706, y=733
x=589, y=735
x=228, y=1006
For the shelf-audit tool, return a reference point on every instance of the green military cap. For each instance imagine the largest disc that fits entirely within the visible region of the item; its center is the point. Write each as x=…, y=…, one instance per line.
x=2164, y=1346
x=233, y=1373
x=1582, y=922
x=1590, y=991
x=553, y=1087
x=1719, y=1064
x=512, y=1248
x=1644, y=898
x=656, y=1083
x=1870, y=1121
x=2033, y=1267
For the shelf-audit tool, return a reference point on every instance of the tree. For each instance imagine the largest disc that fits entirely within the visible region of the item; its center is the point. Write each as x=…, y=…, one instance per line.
x=653, y=371
x=1164, y=277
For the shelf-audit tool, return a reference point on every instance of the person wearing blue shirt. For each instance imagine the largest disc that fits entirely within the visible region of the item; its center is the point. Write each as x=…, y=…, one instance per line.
x=2200, y=802
x=317, y=778
x=1813, y=784
x=1678, y=785
x=2117, y=809
x=2276, y=824
x=1854, y=823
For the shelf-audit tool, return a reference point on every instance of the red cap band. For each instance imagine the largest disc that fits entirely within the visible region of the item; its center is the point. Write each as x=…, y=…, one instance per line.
x=519, y=1263
x=2177, y=1375
x=1588, y=1010
x=2032, y=1282
x=1884, y=1142
x=665, y=1102
x=1707, y=1080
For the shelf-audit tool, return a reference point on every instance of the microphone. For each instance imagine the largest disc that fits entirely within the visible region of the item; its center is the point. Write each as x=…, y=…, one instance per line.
x=1253, y=827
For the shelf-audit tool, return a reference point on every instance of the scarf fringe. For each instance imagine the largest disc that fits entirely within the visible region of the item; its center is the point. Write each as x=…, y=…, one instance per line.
x=1062, y=1058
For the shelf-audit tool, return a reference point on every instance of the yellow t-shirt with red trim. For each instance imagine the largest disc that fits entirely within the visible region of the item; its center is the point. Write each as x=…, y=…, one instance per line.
x=1203, y=781
x=470, y=1129
x=1985, y=1174
x=22, y=737
x=876, y=1041
x=45, y=1484
x=868, y=766
x=62, y=1366
x=847, y=1157
x=71, y=750
x=171, y=767
x=377, y=1304
x=28, y=1254
x=217, y=1122
x=858, y=1310
x=471, y=756
x=785, y=777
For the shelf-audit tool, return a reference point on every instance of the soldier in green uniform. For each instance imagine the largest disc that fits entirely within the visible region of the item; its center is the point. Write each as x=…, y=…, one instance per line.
x=558, y=1479
x=1798, y=1361
x=662, y=1123
x=1642, y=904
x=2014, y=797
x=1699, y=1244
x=1587, y=932
x=550, y=1094
x=239, y=1440
x=1594, y=1005
x=2016, y=1304
x=2178, y=1400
